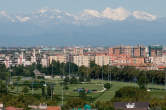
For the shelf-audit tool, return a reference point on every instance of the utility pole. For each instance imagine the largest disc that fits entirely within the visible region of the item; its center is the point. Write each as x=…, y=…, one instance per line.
x=110, y=73
x=10, y=75
x=62, y=85
x=52, y=70
x=32, y=88
x=52, y=90
x=69, y=65
x=146, y=83
x=102, y=65
x=69, y=69
x=165, y=79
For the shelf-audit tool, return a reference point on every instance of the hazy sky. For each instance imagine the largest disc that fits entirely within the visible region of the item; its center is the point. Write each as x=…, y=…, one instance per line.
x=156, y=7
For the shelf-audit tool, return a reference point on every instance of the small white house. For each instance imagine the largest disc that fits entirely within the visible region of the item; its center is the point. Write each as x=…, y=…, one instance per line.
x=1, y=106
x=47, y=77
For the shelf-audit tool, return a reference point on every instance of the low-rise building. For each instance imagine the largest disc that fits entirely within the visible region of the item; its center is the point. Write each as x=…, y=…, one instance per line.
x=1, y=106
x=131, y=106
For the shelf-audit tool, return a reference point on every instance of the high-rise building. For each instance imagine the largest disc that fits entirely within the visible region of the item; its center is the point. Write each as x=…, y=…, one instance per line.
x=136, y=51
x=120, y=50
x=155, y=50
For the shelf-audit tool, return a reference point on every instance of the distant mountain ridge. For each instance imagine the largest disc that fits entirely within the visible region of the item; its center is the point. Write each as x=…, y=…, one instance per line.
x=90, y=27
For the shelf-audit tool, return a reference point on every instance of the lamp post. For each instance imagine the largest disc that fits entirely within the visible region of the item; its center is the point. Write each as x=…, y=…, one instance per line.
x=165, y=78
x=44, y=85
x=110, y=77
x=52, y=91
x=32, y=88
x=62, y=85
x=10, y=77
x=102, y=65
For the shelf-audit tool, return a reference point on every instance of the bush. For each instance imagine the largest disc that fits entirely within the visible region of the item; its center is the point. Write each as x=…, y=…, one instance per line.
x=73, y=80
x=107, y=85
x=82, y=94
x=74, y=103
x=25, y=89
x=67, y=79
x=132, y=93
x=66, y=87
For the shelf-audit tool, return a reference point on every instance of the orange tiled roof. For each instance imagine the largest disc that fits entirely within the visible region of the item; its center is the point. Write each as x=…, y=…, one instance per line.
x=161, y=67
x=10, y=108
x=53, y=108
x=13, y=108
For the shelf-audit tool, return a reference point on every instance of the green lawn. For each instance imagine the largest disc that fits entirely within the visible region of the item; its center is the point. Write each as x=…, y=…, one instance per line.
x=156, y=90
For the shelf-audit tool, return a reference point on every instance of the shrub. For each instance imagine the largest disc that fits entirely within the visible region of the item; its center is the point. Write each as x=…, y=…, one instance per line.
x=107, y=85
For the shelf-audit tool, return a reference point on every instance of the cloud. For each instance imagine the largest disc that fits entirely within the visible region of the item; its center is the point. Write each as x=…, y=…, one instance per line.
x=23, y=19
x=92, y=13
x=4, y=13
x=42, y=11
x=86, y=16
x=144, y=16
x=118, y=14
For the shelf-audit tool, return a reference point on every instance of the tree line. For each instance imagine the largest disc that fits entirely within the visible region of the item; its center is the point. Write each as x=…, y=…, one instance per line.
x=106, y=72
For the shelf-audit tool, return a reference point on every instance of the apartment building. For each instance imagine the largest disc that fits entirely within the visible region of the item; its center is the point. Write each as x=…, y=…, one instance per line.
x=58, y=57
x=155, y=50
x=102, y=60
x=82, y=60
x=78, y=51
x=44, y=61
x=130, y=51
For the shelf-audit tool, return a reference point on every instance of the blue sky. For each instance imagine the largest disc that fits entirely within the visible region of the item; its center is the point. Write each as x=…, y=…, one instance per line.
x=156, y=7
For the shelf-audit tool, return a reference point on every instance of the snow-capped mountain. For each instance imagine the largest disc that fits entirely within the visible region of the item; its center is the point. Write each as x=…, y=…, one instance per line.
x=88, y=16
x=89, y=27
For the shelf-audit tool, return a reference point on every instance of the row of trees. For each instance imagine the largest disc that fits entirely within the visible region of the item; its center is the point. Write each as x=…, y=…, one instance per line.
x=22, y=101
x=106, y=72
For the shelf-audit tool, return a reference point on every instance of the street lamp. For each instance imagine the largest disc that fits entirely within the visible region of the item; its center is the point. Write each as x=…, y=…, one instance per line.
x=45, y=85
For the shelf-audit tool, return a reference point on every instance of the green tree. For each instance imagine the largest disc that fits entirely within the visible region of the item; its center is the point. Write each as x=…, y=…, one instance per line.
x=73, y=80
x=107, y=85
x=83, y=94
x=50, y=90
x=25, y=90
x=104, y=105
x=3, y=88
x=74, y=103
x=131, y=94
x=67, y=79
x=142, y=80
x=43, y=91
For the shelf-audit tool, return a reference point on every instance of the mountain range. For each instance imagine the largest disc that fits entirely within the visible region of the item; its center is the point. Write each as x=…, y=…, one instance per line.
x=90, y=27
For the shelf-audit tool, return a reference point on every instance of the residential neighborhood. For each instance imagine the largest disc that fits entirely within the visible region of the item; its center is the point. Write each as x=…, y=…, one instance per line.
x=142, y=57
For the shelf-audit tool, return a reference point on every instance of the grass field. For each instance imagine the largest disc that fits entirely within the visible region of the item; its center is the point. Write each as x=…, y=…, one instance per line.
x=157, y=91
